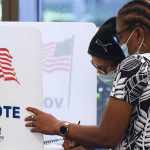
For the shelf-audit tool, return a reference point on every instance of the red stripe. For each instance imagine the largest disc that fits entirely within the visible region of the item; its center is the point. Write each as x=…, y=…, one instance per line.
x=4, y=49
x=10, y=78
x=4, y=63
x=8, y=73
x=6, y=68
x=7, y=55
x=8, y=60
x=4, y=52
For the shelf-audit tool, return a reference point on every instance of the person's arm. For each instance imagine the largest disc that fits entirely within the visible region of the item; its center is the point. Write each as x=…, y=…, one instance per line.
x=71, y=145
x=111, y=131
x=109, y=134
x=128, y=86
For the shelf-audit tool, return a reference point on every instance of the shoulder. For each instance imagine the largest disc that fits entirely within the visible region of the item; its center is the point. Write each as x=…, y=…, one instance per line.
x=131, y=78
x=131, y=62
x=135, y=63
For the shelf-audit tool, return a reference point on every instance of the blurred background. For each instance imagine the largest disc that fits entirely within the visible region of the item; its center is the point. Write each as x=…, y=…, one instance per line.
x=96, y=11
x=79, y=10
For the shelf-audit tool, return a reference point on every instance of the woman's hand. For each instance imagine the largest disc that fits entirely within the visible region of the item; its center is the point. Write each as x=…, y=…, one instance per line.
x=71, y=145
x=42, y=122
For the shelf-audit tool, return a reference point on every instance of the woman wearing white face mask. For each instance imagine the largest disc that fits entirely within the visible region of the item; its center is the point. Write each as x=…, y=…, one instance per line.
x=126, y=122
x=106, y=55
x=105, y=51
x=132, y=83
x=124, y=46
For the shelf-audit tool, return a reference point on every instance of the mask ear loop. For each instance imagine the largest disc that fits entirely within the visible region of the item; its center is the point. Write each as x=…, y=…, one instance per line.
x=130, y=37
x=140, y=46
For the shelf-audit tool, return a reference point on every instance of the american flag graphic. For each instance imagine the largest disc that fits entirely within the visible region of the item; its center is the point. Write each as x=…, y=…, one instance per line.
x=7, y=72
x=57, y=56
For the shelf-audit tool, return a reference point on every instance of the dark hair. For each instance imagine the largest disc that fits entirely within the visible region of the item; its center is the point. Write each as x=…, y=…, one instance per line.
x=136, y=13
x=103, y=44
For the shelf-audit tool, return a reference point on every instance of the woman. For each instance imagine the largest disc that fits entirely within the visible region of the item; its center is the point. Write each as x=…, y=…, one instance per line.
x=126, y=121
x=132, y=84
x=107, y=52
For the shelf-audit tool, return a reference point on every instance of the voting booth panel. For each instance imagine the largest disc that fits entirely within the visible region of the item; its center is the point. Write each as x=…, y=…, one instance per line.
x=20, y=85
x=68, y=78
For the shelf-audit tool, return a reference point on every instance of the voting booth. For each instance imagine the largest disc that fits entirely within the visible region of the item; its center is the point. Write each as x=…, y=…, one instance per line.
x=44, y=65
x=20, y=85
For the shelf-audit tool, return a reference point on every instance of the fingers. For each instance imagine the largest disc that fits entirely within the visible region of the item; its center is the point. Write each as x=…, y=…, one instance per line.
x=68, y=144
x=78, y=148
x=33, y=125
x=35, y=130
x=30, y=124
x=31, y=118
x=33, y=110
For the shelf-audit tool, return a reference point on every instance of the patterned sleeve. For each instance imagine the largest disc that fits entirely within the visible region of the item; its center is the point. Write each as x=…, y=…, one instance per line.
x=131, y=79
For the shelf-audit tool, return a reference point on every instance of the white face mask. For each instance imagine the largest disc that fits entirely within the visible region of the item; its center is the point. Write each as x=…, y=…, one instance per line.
x=107, y=78
x=125, y=48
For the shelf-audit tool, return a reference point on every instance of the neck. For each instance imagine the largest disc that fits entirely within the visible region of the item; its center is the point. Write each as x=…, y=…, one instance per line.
x=144, y=49
x=147, y=51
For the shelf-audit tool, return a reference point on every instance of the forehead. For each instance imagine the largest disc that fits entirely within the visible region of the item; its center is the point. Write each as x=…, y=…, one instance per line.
x=100, y=61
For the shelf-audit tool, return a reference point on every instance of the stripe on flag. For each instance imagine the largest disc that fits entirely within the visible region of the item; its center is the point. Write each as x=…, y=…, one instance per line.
x=7, y=72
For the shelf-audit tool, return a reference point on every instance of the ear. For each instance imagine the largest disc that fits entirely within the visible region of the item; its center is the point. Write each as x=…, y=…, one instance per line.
x=139, y=35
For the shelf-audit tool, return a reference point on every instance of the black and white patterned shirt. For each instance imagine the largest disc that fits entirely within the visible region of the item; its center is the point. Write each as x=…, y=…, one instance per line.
x=132, y=84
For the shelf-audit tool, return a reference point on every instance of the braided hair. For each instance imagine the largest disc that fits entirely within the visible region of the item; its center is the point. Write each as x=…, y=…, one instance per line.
x=135, y=13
